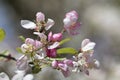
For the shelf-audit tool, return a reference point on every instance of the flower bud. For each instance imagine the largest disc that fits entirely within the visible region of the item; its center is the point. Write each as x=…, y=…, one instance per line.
x=54, y=64
x=40, y=17
x=57, y=37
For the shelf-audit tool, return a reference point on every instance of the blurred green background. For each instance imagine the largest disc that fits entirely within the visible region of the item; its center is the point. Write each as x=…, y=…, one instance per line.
x=100, y=22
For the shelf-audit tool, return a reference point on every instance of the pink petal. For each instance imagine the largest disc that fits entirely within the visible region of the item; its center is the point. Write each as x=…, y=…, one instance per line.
x=73, y=15
x=37, y=44
x=22, y=63
x=54, y=45
x=49, y=24
x=63, y=67
x=29, y=41
x=40, y=17
x=28, y=24
x=41, y=35
x=89, y=46
x=67, y=23
x=50, y=36
x=85, y=42
x=68, y=62
x=57, y=37
x=54, y=64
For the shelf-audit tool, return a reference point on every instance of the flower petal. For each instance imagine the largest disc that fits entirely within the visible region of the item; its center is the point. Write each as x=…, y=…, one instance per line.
x=28, y=24
x=22, y=63
x=54, y=45
x=85, y=42
x=40, y=17
x=89, y=46
x=4, y=76
x=19, y=75
x=49, y=24
x=28, y=77
x=50, y=36
x=41, y=35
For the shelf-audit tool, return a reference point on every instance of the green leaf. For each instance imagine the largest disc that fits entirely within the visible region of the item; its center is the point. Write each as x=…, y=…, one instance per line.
x=67, y=51
x=2, y=34
x=19, y=50
x=64, y=41
x=22, y=38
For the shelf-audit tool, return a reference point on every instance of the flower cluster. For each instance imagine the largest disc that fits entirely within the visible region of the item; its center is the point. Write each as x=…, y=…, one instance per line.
x=46, y=49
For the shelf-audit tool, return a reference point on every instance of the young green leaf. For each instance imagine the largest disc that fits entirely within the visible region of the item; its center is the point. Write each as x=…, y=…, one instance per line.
x=64, y=41
x=67, y=51
x=19, y=50
x=2, y=34
x=22, y=38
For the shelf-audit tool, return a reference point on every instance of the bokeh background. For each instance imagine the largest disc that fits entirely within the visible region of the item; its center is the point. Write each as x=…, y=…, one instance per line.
x=100, y=22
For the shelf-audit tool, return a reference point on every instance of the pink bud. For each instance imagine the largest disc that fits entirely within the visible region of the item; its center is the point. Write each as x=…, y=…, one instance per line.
x=40, y=17
x=57, y=37
x=54, y=64
x=51, y=53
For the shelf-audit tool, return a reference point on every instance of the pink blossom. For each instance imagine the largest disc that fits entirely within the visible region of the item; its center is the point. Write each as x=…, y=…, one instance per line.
x=30, y=45
x=70, y=23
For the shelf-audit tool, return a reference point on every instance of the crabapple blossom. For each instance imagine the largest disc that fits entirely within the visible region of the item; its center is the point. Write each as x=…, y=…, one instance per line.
x=85, y=60
x=40, y=23
x=46, y=50
x=70, y=23
x=30, y=45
